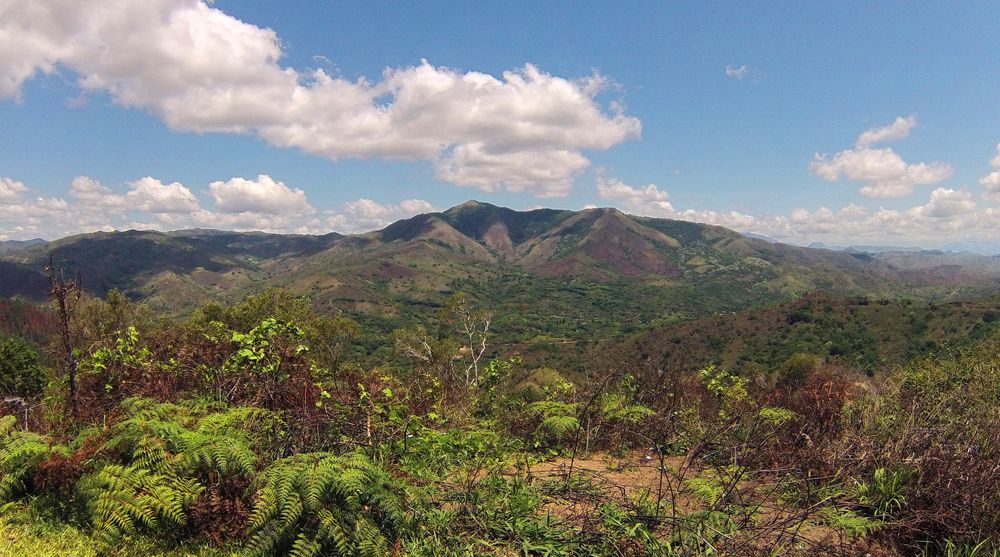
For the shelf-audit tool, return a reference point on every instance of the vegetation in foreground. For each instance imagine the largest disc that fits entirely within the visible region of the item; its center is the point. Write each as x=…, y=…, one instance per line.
x=254, y=430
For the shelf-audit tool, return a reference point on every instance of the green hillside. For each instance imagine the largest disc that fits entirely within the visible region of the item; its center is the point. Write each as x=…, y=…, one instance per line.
x=556, y=281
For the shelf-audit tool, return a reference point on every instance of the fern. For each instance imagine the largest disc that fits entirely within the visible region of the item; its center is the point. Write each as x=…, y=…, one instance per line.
x=156, y=437
x=558, y=420
x=125, y=499
x=557, y=427
x=163, y=455
x=20, y=454
x=322, y=504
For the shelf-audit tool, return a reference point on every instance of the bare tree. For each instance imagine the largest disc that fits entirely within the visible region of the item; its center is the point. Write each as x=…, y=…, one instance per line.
x=66, y=294
x=473, y=325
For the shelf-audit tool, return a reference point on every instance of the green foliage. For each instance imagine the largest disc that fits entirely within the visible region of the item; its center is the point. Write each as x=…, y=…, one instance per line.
x=623, y=529
x=167, y=438
x=126, y=352
x=125, y=499
x=434, y=454
x=884, y=492
x=166, y=455
x=848, y=522
x=21, y=373
x=258, y=351
x=323, y=504
x=775, y=416
x=794, y=371
x=20, y=454
x=556, y=421
x=730, y=389
x=620, y=406
x=949, y=548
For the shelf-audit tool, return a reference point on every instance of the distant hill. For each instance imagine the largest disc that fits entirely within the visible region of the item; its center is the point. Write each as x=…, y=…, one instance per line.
x=7, y=246
x=861, y=332
x=554, y=278
x=983, y=247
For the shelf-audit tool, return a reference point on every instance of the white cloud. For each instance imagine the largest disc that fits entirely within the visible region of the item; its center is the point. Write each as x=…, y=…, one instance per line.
x=362, y=215
x=651, y=201
x=200, y=69
x=737, y=72
x=545, y=173
x=153, y=196
x=648, y=200
x=899, y=129
x=10, y=189
x=882, y=170
x=948, y=214
x=240, y=204
x=885, y=173
x=262, y=195
x=89, y=190
x=946, y=203
x=991, y=182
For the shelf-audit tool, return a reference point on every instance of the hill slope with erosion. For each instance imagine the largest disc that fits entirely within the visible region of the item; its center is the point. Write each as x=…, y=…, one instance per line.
x=556, y=280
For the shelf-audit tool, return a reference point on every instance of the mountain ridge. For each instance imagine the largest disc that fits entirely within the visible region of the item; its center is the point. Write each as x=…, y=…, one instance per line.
x=603, y=272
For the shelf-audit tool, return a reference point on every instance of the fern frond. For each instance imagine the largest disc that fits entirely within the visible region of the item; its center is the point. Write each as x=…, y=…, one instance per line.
x=20, y=454
x=123, y=499
x=326, y=505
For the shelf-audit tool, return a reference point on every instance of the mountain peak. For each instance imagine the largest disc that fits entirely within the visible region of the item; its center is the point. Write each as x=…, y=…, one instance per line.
x=470, y=204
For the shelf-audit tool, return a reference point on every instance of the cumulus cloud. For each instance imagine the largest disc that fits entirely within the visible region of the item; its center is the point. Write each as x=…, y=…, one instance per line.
x=200, y=69
x=261, y=195
x=898, y=129
x=153, y=196
x=649, y=200
x=882, y=170
x=948, y=214
x=885, y=173
x=241, y=204
x=991, y=182
x=544, y=173
x=737, y=72
x=362, y=215
x=10, y=189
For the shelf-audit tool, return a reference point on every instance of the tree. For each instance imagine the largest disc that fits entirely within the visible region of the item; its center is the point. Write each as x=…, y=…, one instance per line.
x=473, y=325
x=66, y=294
x=332, y=338
x=426, y=351
x=21, y=374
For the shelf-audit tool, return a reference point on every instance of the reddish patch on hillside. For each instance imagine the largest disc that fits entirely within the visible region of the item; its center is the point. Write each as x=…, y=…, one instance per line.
x=614, y=243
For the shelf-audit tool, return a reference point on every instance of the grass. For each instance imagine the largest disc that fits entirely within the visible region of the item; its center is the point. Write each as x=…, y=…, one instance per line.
x=24, y=533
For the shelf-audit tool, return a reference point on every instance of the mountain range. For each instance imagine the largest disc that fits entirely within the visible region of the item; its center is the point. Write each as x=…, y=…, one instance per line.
x=551, y=276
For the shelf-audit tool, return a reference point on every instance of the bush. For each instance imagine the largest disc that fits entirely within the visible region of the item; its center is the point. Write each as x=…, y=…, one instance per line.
x=21, y=374
x=794, y=371
x=323, y=504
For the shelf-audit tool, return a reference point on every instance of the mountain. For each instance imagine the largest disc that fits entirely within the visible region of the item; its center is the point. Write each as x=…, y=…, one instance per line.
x=7, y=246
x=770, y=240
x=981, y=247
x=554, y=278
x=866, y=249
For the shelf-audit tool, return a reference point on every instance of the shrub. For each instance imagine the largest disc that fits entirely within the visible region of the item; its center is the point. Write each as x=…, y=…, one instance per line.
x=323, y=504
x=21, y=452
x=21, y=374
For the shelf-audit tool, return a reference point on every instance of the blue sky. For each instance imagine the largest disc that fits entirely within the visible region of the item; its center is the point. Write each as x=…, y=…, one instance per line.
x=175, y=113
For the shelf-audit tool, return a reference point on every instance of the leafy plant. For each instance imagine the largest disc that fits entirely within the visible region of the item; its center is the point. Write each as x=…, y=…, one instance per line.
x=124, y=499
x=20, y=454
x=21, y=373
x=557, y=421
x=324, y=504
x=884, y=492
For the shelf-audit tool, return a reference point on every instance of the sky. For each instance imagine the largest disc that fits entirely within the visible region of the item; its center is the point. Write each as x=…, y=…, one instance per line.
x=841, y=122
